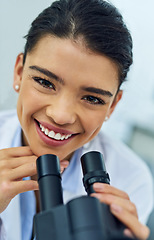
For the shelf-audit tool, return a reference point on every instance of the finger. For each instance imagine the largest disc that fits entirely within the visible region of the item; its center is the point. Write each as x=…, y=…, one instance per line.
x=23, y=186
x=16, y=162
x=26, y=170
x=112, y=199
x=139, y=230
x=9, y=190
x=106, y=188
x=128, y=233
x=16, y=152
x=63, y=165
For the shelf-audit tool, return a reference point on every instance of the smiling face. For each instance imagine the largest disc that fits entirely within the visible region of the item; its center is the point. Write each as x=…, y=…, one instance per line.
x=65, y=93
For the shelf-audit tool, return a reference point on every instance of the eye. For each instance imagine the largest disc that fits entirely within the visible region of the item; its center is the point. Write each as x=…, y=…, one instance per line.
x=44, y=83
x=93, y=100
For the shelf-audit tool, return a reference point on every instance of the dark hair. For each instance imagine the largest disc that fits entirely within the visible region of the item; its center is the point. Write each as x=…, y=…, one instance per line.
x=97, y=22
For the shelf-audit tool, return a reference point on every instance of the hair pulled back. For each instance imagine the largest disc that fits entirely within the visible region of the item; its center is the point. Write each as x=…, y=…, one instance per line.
x=97, y=22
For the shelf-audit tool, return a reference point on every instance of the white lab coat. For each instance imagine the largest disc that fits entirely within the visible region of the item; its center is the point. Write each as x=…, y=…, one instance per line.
x=127, y=172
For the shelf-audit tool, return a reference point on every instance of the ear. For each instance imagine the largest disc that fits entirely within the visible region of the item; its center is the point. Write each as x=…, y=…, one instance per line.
x=18, y=70
x=115, y=102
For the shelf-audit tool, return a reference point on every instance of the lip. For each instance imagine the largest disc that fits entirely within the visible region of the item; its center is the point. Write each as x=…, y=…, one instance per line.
x=49, y=141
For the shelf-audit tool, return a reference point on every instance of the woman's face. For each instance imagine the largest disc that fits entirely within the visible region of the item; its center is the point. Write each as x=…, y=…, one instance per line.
x=65, y=93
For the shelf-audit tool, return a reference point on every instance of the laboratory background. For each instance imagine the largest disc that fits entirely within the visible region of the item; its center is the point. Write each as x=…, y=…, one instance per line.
x=133, y=120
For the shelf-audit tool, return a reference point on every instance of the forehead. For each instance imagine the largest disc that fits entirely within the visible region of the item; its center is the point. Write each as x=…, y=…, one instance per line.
x=72, y=60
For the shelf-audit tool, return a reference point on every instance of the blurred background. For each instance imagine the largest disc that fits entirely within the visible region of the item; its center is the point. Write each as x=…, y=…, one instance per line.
x=133, y=120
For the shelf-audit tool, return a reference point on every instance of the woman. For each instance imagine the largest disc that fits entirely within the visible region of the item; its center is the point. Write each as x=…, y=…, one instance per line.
x=76, y=57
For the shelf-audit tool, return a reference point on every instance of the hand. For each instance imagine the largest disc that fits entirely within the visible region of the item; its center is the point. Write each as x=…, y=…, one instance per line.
x=16, y=164
x=122, y=208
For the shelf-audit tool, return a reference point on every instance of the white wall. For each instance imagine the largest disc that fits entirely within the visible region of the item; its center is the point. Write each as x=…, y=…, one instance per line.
x=137, y=105
x=15, y=19
x=138, y=100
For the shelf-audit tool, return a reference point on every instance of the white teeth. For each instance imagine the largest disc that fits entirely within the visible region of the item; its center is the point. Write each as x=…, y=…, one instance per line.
x=63, y=137
x=46, y=131
x=42, y=128
x=58, y=136
x=51, y=134
x=54, y=135
x=68, y=136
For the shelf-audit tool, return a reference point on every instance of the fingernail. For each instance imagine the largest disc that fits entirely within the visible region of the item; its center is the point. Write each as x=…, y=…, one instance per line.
x=98, y=186
x=62, y=170
x=66, y=163
x=116, y=208
x=128, y=233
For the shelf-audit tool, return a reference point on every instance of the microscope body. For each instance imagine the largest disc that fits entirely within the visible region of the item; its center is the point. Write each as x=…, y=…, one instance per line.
x=79, y=219
x=83, y=218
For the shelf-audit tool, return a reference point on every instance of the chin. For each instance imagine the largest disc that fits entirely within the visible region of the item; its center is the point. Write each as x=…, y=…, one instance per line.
x=41, y=151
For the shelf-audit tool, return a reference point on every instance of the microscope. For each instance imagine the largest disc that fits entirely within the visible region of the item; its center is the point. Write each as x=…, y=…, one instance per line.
x=83, y=218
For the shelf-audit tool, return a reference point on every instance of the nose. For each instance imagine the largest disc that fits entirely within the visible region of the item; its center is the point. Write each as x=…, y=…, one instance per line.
x=61, y=111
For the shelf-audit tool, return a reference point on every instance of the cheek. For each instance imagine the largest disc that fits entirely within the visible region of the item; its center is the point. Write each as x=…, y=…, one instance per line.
x=28, y=103
x=93, y=123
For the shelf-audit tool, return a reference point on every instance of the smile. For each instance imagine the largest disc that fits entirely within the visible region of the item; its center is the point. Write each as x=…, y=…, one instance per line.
x=53, y=135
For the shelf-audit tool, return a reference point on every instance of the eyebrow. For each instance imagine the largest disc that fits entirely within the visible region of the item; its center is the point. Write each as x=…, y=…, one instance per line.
x=47, y=73
x=54, y=76
x=98, y=91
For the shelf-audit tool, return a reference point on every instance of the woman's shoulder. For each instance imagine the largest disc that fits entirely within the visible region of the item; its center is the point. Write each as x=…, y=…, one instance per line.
x=6, y=114
x=121, y=161
x=116, y=149
x=8, y=121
